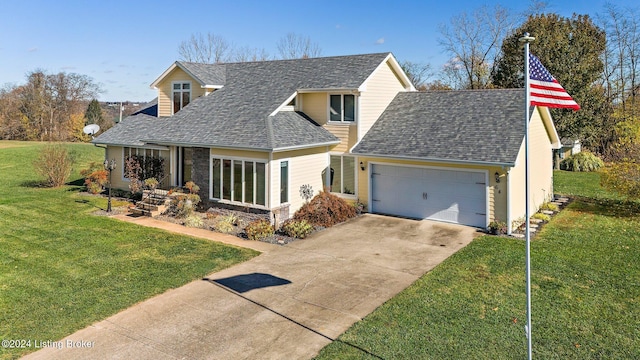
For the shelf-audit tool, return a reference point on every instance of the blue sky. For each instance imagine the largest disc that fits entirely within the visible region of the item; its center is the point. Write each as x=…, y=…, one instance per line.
x=125, y=45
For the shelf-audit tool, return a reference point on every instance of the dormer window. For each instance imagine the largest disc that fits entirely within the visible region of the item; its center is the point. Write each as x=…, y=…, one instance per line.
x=342, y=108
x=181, y=95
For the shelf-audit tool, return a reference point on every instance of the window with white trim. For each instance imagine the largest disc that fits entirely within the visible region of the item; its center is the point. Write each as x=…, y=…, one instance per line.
x=181, y=95
x=342, y=178
x=242, y=181
x=284, y=182
x=149, y=160
x=342, y=107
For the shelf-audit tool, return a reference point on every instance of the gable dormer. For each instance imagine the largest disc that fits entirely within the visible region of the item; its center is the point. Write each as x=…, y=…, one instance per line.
x=183, y=82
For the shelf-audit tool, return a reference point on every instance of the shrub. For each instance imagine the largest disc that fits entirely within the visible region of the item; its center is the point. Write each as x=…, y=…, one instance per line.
x=582, y=161
x=549, y=206
x=183, y=205
x=325, y=210
x=297, y=228
x=192, y=187
x=227, y=224
x=622, y=178
x=95, y=177
x=151, y=183
x=541, y=216
x=259, y=229
x=133, y=171
x=193, y=221
x=497, y=227
x=54, y=164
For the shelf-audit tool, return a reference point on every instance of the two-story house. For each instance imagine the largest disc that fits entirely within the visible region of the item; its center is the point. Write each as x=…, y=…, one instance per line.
x=253, y=134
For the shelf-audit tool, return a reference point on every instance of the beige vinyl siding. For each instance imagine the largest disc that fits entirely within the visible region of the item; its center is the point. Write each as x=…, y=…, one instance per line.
x=315, y=106
x=165, y=90
x=541, y=172
x=381, y=87
x=117, y=179
x=347, y=133
x=306, y=167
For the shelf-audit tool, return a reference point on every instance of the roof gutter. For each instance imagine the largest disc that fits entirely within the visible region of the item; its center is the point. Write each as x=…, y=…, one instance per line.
x=185, y=144
x=447, y=161
x=300, y=147
x=324, y=90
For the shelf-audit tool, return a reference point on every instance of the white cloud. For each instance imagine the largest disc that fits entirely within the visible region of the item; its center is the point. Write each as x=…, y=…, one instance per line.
x=33, y=49
x=380, y=41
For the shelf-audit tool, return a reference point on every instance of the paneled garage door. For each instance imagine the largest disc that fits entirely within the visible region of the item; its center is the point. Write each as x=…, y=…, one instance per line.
x=426, y=193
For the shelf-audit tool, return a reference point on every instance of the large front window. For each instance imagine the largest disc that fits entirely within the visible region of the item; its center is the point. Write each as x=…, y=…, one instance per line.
x=146, y=163
x=342, y=107
x=242, y=181
x=342, y=177
x=181, y=95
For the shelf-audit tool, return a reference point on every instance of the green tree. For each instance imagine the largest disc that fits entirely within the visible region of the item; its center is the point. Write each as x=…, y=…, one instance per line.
x=93, y=115
x=96, y=115
x=571, y=49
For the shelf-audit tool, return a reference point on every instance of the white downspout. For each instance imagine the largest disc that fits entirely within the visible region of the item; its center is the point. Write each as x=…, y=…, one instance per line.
x=509, y=229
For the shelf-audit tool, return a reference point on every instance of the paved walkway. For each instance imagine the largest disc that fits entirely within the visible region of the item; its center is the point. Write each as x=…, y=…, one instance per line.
x=287, y=303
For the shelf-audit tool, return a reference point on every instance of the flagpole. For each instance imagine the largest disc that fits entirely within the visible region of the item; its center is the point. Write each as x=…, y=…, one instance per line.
x=526, y=39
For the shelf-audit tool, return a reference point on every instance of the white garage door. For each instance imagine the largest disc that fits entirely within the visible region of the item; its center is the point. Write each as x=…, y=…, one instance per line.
x=425, y=193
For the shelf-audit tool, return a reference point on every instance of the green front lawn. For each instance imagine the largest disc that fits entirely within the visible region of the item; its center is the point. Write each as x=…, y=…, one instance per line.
x=585, y=293
x=62, y=268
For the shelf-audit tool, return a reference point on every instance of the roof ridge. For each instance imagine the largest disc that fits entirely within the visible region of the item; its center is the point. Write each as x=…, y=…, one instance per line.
x=284, y=60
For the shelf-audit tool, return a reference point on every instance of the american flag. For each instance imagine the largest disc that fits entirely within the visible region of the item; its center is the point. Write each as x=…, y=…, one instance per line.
x=545, y=89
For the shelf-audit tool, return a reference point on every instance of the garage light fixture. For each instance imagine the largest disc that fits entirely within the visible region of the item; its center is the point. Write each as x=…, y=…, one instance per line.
x=497, y=175
x=361, y=166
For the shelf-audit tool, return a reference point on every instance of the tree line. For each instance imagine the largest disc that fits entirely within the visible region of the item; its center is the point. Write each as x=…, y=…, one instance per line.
x=595, y=59
x=49, y=107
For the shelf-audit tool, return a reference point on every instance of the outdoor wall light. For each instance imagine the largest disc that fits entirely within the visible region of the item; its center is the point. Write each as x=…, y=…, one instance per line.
x=497, y=175
x=109, y=166
x=361, y=166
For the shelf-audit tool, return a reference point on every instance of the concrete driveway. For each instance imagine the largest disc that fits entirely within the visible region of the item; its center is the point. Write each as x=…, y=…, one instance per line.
x=287, y=303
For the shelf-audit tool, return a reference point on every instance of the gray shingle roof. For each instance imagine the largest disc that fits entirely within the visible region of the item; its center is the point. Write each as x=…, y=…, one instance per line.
x=129, y=131
x=208, y=74
x=238, y=114
x=481, y=126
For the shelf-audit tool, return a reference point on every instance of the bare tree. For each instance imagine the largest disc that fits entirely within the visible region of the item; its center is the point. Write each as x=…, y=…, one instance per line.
x=11, y=127
x=294, y=46
x=474, y=40
x=245, y=53
x=52, y=105
x=418, y=73
x=622, y=58
x=207, y=49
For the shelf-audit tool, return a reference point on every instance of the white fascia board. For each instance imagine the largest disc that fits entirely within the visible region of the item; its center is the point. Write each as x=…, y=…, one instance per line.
x=547, y=119
x=290, y=148
x=154, y=85
x=330, y=90
x=283, y=104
